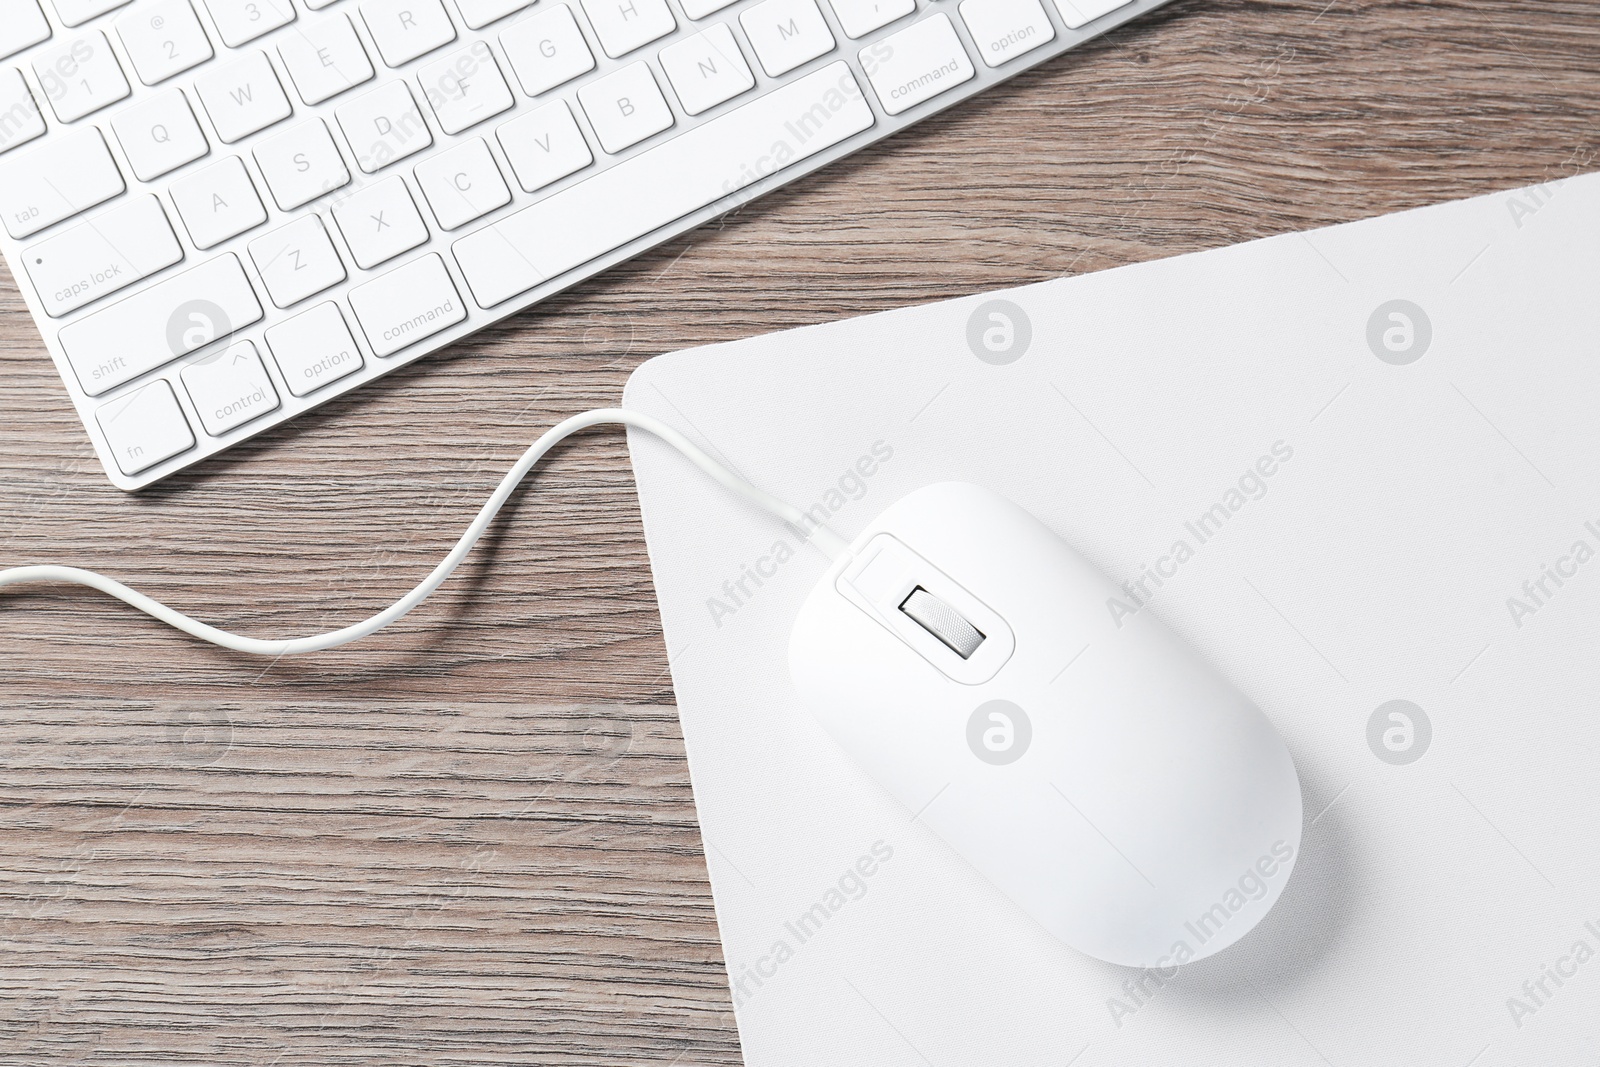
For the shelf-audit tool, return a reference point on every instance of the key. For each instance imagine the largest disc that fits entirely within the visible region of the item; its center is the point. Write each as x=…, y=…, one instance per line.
x=462, y=184
x=301, y=164
x=217, y=203
x=406, y=29
x=465, y=87
x=296, y=261
x=706, y=69
x=1005, y=29
x=80, y=77
x=159, y=135
x=20, y=121
x=379, y=222
x=65, y=175
x=242, y=97
x=860, y=17
x=923, y=61
x=23, y=25
x=625, y=107
x=145, y=427
x=786, y=33
x=545, y=145
x=1079, y=13
x=624, y=25
x=163, y=39
x=242, y=21
x=383, y=126
x=699, y=9
x=406, y=305
x=93, y=259
x=229, y=388
x=314, y=349
x=172, y=318
x=77, y=12
x=325, y=58
x=645, y=192
x=547, y=50
x=479, y=13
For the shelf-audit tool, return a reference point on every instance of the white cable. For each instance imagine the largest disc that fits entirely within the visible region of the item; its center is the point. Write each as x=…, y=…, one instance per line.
x=825, y=539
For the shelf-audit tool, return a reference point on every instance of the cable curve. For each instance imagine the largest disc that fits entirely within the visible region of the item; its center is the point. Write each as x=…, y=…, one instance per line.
x=825, y=539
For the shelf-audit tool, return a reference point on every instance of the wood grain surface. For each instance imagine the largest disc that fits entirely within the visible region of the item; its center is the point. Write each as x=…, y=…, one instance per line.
x=471, y=840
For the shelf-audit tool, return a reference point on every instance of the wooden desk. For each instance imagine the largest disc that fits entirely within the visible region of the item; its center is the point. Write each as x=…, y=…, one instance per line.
x=472, y=839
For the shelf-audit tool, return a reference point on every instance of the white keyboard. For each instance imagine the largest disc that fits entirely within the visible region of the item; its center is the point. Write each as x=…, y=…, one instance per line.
x=224, y=212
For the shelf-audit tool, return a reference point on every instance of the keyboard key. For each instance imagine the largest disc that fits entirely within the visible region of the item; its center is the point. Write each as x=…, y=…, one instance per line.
x=159, y=135
x=325, y=58
x=656, y=187
x=23, y=25
x=706, y=69
x=230, y=388
x=625, y=107
x=77, y=12
x=1079, y=13
x=465, y=87
x=242, y=97
x=406, y=29
x=923, y=61
x=699, y=9
x=314, y=349
x=786, y=33
x=20, y=121
x=479, y=13
x=145, y=427
x=624, y=25
x=379, y=222
x=383, y=126
x=158, y=325
x=296, y=261
x=69, y=173
x=544, y=145
x=217, y=203
x=860, y=17
x=301, y=164
x=462, y=184
x=93, y=259
x=1005, y=29
x=163, y=39
x=80, y=77
x=547, y=50
x=406, y=305
x=242, y=21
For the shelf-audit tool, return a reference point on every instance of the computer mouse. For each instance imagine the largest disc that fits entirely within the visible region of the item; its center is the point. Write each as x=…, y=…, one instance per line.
x=1074, y=750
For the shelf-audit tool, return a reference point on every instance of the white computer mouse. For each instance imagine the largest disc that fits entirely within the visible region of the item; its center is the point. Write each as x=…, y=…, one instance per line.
x=1083, y=758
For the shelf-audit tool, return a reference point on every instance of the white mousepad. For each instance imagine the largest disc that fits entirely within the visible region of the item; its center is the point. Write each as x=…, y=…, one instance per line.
x=1411, y=595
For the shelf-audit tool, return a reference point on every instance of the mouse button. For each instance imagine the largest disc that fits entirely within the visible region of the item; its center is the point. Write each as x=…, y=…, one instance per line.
x=953, y=630
x=880, y=571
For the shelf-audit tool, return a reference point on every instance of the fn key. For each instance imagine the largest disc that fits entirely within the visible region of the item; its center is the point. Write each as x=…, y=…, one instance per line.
x=145, y=427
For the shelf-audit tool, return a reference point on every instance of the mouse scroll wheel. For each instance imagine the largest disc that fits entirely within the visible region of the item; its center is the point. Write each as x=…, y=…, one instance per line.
x=942, y=621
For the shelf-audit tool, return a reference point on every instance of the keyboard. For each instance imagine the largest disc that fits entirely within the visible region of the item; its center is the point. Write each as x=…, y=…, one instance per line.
x=222, y=213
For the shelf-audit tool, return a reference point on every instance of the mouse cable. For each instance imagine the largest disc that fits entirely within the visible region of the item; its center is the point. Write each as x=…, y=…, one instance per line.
x=829, y=542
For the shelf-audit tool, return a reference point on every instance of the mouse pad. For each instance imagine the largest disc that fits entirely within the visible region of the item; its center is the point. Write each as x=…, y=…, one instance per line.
x=1359, y=469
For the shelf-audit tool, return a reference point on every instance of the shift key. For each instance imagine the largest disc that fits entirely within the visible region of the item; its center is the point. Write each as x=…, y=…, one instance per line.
x=113, y=250
x=155, y=327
